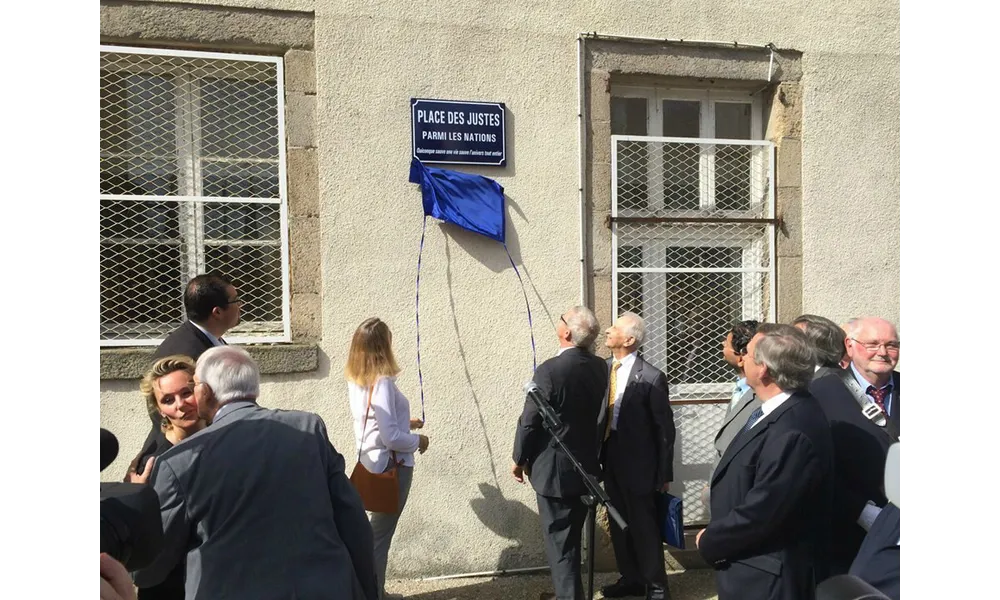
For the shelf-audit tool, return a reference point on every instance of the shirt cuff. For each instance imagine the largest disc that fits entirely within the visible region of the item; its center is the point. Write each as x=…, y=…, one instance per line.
x=868, y=515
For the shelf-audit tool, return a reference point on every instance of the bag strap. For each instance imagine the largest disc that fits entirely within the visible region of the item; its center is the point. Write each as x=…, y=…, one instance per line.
x=364, y=425
x=869, y=409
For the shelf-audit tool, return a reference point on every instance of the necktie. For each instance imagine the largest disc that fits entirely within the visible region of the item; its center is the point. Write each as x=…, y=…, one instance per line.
x=612, y=390
x=758, y=413
x=878, y=395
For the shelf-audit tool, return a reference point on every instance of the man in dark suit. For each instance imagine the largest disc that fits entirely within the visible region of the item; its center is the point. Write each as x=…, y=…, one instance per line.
x=873, y=346
x=258, y=501
x=574, y=383
x=877, y=562
x=771, y=491
x=859, y=445
x=638, y=459
x=213, y=308
x=743, y=401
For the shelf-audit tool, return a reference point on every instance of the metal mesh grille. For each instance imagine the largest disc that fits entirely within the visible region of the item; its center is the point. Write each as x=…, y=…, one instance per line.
x=690, y=282
x=694, y=455
x=692, y=177
x=191, y=166
x=698, y=257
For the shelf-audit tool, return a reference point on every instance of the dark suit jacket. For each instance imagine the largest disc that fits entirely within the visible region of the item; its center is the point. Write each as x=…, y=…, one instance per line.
x=771, y=506
x=645, y=431
x=260, y=505
x=186, y=339
x=877, y=564
x=892, y=424
x=860, y=448
x=574, y=383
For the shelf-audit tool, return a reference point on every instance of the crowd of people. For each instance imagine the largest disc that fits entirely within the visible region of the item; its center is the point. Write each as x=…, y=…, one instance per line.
x=257, y=502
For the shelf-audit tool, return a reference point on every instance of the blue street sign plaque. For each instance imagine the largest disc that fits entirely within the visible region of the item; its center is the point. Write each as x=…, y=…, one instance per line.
x=452, y=131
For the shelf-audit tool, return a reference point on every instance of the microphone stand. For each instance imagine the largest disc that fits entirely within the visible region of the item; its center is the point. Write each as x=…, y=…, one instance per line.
x=595, y=494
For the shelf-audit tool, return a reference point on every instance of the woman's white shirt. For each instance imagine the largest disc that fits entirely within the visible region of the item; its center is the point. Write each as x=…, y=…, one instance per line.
x=388, y=426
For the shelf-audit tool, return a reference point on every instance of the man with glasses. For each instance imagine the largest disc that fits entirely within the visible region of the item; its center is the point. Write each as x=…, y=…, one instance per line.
x=873, y=347
x=213, y=308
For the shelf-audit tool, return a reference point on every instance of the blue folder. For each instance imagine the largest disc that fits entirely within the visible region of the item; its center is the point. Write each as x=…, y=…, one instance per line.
x=670, y=511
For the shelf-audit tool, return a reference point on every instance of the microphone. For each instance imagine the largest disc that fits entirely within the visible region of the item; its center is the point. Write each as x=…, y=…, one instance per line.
x=532, y=391
x=109, y=448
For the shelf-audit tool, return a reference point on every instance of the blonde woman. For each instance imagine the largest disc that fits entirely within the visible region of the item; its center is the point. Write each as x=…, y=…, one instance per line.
x=168, y=392
x=382, y=432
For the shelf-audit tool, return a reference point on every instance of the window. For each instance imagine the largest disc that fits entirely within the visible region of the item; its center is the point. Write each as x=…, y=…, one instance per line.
x=192, y=181
x=692, y=191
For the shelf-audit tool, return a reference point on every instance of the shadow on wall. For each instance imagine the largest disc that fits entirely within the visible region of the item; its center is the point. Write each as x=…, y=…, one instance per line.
x=511, y=520
x=465, y=362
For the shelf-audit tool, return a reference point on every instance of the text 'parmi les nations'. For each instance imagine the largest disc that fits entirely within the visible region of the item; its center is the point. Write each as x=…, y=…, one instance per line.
x=458, y=117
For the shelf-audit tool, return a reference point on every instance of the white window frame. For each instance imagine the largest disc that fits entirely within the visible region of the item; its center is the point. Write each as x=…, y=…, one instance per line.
x=189, y=186
x=706, y=130
x=751, y=253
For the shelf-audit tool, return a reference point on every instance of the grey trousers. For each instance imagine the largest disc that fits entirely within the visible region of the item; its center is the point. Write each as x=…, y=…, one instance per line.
x=384, y=526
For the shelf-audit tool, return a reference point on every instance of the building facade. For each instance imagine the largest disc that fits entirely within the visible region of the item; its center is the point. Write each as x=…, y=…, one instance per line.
x=696, y=163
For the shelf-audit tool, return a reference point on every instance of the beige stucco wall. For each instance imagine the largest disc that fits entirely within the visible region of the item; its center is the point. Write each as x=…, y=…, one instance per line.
x=465, y=511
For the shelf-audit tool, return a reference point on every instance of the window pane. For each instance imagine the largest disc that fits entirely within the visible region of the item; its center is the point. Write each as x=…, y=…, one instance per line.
x=681, y=176
x=138, y=133
x=239, y=120
x=681, y=118
x=243, y=242
x=244, y=222
x=721, y=257
x=732, y=120
x=629, y=116
x=240, y=179
x=141, y=289
x=700, y=308
x=256, y=273
x=630, y=284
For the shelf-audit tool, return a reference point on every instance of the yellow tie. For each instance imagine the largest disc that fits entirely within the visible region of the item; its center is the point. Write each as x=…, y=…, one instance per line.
x=612, y=390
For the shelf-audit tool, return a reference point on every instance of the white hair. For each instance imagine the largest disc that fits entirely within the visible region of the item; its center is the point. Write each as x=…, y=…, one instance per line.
x=851, y=326
x=634, y=327
x=582, y=325
x=230, y=372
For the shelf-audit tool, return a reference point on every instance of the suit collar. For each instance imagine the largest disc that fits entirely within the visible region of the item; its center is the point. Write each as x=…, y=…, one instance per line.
x=197, y=331
x=745, y=437
x=747, y=397
x=233, y=410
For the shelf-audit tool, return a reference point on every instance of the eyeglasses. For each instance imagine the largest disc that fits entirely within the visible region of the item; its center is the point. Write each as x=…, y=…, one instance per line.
x=873, y=346
x=563, y=319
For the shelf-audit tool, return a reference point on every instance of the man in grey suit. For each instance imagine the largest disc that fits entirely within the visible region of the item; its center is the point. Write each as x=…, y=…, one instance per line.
x=743, y=402
x=258, y=501
x=574, y=383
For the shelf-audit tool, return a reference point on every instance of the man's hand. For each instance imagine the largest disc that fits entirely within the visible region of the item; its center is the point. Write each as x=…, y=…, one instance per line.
x=665, y=487
x=134, y=477
x=115, y=581
x=697, y=539
x=422, y=444
x=518, y=472
x=416, y=424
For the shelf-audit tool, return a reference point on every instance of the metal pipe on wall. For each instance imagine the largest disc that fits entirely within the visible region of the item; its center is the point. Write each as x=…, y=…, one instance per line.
x=581, y=145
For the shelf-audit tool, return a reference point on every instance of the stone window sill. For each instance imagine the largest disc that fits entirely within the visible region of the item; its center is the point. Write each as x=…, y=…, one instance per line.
x=131, y=363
